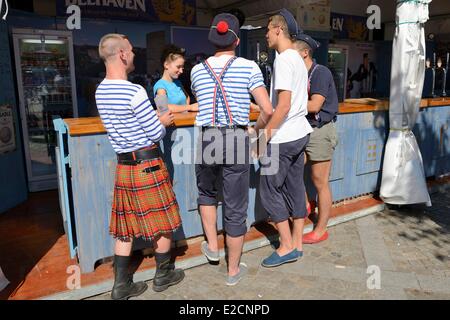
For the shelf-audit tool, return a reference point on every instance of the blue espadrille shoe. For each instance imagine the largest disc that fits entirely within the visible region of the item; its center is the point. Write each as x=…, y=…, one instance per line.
x=274, y=260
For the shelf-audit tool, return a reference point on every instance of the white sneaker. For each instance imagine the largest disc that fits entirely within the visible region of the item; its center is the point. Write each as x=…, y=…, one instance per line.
x=234, y=280
x=210, y=255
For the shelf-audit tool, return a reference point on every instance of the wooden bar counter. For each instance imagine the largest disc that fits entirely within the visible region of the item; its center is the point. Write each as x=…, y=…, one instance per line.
x=84, y=126
x=86, y=168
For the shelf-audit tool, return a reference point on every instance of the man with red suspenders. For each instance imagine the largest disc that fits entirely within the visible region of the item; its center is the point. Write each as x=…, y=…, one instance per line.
x=222, y=85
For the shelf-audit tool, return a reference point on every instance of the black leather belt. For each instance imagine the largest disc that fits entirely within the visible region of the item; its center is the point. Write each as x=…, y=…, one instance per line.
x=323, y=124
x=138, y=156
x=232, y=127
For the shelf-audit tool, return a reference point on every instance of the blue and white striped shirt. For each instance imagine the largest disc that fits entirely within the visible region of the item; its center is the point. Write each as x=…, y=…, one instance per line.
x=240, y=80
x=128, y=116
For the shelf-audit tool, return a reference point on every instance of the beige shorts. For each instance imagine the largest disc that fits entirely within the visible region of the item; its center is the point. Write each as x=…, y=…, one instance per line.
x=322, y=143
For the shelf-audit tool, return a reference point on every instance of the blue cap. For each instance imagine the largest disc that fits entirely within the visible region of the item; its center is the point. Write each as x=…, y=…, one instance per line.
x=309, y=40
x=224, y=30
x=293, y=27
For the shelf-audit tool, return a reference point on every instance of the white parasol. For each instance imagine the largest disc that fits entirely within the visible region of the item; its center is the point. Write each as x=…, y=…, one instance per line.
x=7, y=9
x=403, y=173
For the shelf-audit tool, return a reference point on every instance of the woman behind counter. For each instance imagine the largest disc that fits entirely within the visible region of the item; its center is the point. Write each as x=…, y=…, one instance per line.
x=173, y=60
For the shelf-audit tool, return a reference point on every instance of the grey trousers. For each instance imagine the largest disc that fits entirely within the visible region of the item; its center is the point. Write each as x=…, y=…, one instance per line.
x=231, y=164
x=283, y=193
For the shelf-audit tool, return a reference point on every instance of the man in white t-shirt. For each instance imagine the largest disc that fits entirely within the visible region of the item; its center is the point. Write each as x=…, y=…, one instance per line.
x=283, y=191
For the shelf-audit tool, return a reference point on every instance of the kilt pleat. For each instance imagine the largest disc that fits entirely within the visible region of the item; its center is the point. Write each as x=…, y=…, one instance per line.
x=144, y=204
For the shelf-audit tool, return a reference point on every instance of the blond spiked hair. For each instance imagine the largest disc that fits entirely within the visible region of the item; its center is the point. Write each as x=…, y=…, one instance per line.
x=110, y=44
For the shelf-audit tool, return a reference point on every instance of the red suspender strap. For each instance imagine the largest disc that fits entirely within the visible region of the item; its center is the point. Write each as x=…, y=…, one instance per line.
x=219, y=83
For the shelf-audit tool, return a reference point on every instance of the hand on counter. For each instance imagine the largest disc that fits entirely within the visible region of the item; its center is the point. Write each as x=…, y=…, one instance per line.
x=166, y=119
x=254, y=107
x=193, y=107
x=177, y=109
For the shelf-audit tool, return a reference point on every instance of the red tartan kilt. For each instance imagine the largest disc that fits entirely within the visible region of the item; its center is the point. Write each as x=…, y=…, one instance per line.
x=144, y=204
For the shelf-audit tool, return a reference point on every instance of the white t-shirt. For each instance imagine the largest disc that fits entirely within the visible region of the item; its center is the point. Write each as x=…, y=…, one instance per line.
x=290, y=74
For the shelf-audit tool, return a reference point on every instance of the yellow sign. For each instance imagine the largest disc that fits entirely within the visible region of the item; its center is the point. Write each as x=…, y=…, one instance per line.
x=314, y=17
x=175, y=11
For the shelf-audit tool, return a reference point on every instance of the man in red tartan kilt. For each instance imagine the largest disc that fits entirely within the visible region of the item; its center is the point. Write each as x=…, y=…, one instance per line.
x=144, y=204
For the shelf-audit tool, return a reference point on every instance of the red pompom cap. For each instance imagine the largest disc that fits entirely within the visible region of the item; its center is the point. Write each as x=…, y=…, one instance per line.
x=222, y=27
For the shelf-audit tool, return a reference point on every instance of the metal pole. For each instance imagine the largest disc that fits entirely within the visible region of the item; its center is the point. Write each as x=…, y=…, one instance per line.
x=444, y=86
x=257, y=52
x=433, y=68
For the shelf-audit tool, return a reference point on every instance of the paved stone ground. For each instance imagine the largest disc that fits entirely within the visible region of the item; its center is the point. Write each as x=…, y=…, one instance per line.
x=410, y=245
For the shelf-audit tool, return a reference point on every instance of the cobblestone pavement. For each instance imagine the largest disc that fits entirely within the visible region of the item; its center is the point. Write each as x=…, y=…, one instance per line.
x=410, y=246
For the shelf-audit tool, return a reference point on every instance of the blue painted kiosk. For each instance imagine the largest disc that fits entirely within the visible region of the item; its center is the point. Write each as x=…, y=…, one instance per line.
x=86, y=165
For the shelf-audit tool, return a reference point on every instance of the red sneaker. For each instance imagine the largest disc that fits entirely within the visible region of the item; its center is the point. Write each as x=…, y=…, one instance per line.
x=311, y=238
